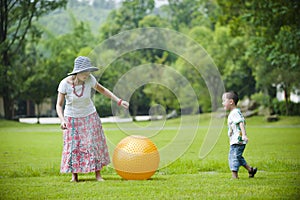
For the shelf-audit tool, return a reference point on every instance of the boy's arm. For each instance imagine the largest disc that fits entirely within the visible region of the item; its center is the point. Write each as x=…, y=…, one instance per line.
x=243, y=130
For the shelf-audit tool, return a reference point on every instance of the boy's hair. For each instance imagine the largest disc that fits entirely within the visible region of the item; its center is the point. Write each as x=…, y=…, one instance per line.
x=233, y=95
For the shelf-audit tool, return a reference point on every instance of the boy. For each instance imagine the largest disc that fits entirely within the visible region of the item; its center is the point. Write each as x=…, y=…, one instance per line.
x=237, y=135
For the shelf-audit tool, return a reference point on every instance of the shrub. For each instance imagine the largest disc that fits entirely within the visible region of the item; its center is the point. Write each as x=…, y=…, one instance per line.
x=279, y=108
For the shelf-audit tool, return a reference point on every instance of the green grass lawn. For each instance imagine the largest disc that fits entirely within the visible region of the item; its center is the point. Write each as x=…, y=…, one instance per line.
x=30, y=161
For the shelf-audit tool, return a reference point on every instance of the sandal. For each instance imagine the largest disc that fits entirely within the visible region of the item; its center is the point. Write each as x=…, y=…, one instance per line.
x=252, y=172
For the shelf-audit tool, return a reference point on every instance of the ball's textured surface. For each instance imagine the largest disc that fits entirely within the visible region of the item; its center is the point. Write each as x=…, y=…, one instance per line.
x=136, y=158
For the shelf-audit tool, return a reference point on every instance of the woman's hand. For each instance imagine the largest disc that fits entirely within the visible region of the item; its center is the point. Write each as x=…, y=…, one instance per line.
x=59, y=110
x=63, y=125
x=124, y=104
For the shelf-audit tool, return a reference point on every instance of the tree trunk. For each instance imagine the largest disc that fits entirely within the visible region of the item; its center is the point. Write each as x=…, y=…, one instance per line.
x=8, y=106
x=8, y=101
x=286, y=97
x=38, y=112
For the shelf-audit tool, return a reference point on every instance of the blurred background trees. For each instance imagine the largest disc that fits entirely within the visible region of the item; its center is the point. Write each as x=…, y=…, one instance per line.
x=254, y=43
x=17, y=32
x=273, y=30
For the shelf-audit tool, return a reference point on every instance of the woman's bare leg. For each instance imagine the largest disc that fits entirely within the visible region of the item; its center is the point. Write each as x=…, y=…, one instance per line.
x=74, y=177
x=98, y=176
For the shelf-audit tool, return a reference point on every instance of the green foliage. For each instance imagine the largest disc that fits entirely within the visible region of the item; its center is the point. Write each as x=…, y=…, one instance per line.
x=153, y=21
x=276, y=107
x=273, y=31
x=253, y=43
x=103, y=105
x=60, y=52
x=16, y=23
x=60, y=21
x=126, y=17
x=228, y=54
x=262, y=99
x=197, y=83
x=280, y=108
x=191, y=13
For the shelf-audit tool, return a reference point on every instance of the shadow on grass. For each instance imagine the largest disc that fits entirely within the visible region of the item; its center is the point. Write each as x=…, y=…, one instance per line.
x=119, y=179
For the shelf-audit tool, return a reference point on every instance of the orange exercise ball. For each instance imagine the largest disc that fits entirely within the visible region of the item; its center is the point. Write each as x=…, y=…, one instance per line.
x=136, y=158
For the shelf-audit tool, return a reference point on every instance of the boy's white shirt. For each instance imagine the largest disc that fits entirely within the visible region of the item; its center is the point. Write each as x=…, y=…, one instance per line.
x=234, y=118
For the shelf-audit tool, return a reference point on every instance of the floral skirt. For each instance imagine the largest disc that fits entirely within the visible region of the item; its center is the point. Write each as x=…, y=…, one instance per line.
x=85, y=148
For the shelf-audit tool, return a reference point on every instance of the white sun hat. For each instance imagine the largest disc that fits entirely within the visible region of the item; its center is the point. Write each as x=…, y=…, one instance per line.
x=82, y=64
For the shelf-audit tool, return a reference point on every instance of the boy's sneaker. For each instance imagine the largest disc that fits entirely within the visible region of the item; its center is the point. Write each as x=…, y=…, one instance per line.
x=252, y=172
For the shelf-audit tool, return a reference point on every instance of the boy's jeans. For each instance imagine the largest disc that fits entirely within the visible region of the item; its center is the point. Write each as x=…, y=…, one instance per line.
x=235, y=157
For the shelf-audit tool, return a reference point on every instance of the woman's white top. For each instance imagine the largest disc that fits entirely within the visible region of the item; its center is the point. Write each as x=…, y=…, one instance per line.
x=78, y=106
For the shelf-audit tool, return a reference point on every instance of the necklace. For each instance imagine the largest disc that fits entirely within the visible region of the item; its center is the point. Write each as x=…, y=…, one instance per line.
x=82, y=90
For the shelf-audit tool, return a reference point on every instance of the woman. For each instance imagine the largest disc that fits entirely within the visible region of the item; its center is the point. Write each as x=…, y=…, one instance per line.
x=85, y=148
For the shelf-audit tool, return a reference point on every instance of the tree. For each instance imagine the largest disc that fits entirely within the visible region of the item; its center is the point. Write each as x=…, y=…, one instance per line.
x=191, y=13
x=273, y=30
x=135, y=14
x=59, y=53
x=34, y=86
x=16, y=22
x=126, y=17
